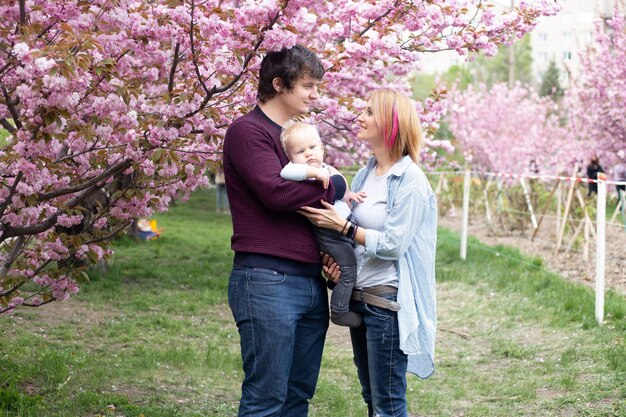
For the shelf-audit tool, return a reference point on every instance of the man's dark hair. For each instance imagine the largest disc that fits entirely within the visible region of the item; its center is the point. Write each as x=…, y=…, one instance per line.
x=289, y=65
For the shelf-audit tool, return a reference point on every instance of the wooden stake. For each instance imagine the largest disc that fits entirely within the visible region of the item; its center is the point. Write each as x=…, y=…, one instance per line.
x=581, y=200
x=438, y=187
x=546, y=207
x=586, y=236
x=568, y=204
x=486, y=197
x=576, y=233
x=533, y=219
x=620, y=207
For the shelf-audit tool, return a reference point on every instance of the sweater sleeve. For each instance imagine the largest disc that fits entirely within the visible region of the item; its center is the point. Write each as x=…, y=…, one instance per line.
x=258, y=159
x=294, y=172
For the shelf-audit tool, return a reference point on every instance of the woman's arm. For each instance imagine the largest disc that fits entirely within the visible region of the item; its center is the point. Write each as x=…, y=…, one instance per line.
x=398, y=231
x=400, y=227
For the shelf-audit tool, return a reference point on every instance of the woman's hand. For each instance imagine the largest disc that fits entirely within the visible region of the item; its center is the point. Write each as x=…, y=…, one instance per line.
x=328, y=217
x=330, y=269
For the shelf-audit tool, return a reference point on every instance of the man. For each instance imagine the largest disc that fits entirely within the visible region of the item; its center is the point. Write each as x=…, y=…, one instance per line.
x=276, y=294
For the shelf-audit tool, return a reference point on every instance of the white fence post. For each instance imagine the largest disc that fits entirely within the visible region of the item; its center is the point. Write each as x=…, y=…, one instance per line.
x=466, y=195
x=559, y=197
x=600, y=247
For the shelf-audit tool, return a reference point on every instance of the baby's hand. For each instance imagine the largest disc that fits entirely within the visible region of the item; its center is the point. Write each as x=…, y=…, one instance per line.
x=357, y=197
x=320, y=174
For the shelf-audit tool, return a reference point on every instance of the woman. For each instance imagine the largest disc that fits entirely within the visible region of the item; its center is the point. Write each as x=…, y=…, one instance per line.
x=593, y=169
x=395, y=231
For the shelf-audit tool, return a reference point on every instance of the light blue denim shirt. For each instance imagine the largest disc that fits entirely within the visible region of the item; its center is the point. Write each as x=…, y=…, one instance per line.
x=409, y=237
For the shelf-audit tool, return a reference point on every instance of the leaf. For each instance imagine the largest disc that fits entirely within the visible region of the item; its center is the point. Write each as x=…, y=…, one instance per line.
x=157, y=155
x=84, y=275
x=292, y=29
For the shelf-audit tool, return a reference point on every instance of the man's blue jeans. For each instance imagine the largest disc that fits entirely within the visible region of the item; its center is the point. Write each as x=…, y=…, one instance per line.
x=381, y=365
x=282, y=321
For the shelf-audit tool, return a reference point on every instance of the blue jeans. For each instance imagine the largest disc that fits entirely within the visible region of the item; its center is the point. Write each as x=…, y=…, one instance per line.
x=282, y=321
x=381, y=365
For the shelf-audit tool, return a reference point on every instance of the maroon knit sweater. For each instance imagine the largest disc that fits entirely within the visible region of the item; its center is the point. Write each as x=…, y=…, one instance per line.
x=262, y=204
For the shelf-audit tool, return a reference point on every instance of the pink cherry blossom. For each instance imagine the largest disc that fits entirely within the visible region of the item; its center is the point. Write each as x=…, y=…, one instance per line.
x=115, y=108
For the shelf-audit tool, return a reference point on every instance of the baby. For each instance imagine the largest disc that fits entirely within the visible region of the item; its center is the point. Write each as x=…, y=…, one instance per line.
x=305, y=150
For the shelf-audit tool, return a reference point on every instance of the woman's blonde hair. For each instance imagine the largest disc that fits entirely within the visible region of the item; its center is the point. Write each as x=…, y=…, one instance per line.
x=397, y=119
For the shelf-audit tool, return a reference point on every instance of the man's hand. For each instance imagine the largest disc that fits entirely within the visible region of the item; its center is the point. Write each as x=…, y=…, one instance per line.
x=330, y=269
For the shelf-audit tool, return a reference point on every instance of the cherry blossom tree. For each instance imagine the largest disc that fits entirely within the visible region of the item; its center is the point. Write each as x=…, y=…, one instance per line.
x=116, y=107
x=597, y=99
x=511, y=130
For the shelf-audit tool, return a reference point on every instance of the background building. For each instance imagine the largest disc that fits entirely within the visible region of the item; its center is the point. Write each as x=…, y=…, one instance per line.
x=560, y=38
x=557, y=38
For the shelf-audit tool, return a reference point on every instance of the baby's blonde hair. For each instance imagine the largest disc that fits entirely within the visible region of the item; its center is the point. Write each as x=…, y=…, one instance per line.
x=295, y=128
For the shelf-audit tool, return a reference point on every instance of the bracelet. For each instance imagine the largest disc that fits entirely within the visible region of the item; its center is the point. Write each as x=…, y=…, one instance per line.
x=343, y=229
x=356, y=227
x=351, y=231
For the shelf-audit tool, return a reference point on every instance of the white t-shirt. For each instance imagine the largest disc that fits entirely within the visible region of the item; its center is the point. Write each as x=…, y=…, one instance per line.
x=371, y=214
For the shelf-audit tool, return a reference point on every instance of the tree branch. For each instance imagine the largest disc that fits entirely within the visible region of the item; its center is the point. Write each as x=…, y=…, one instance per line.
x=11, y=106
x=378, y=19
x=194, y=59
x=111, y=171
x=22, y=12
x=109, y=236
x=216, y=90
x=35, y=305
x=8, y=126
x=20, y=243
x=170, y=84
x=7, y=200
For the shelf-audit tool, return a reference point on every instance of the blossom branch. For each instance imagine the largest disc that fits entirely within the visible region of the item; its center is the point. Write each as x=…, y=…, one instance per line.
x=9, y=198
x=244, y=67
x=11, y=106
x=109, y=236
x=378, y=19
x=110, y=172
x=18, y=247
x=8, y=126
x=22, y=12
x=170, y=84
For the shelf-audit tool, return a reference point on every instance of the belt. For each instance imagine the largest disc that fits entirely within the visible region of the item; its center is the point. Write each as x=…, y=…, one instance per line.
x=371, y=296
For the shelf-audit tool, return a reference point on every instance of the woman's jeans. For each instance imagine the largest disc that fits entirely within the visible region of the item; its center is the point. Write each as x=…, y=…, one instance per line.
x=282, y=321
x=381, y=365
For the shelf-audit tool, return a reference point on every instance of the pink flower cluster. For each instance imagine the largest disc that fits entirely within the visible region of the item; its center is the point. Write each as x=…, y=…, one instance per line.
x=117, y=108
x=511, y=130
x=598, y=99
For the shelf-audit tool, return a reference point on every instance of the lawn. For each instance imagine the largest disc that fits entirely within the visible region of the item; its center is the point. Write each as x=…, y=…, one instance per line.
x=4, y=134
x=154, y=337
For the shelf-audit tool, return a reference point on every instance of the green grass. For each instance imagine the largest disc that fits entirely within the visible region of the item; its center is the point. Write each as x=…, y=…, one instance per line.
x=154, y=337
